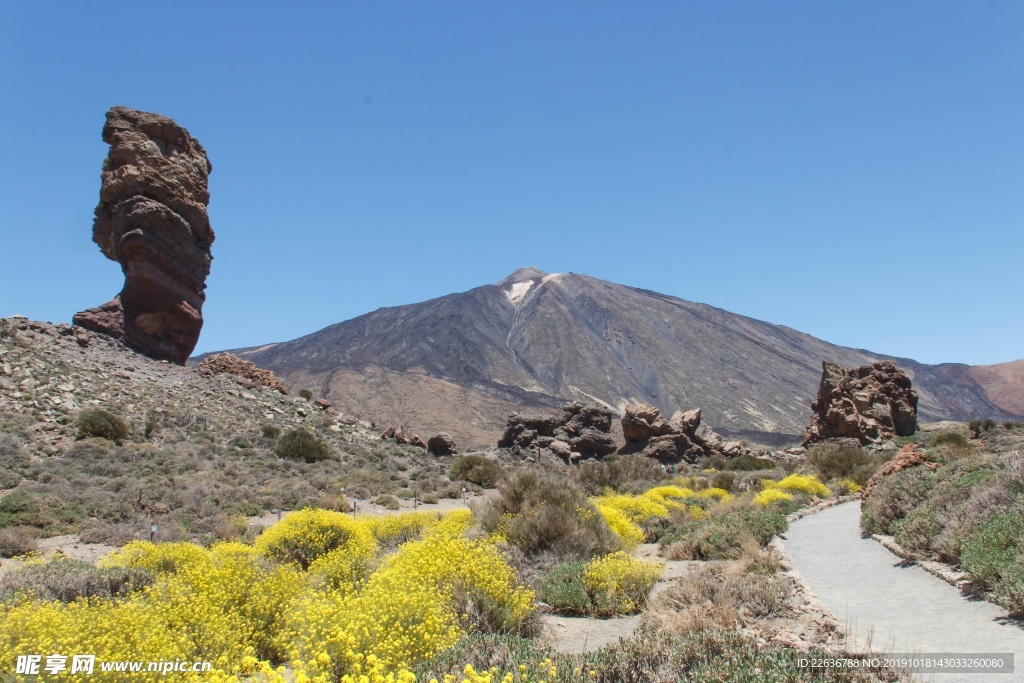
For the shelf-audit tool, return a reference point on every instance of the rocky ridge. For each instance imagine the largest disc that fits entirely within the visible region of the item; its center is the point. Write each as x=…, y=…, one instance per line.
x=683, y=437
x=224, y=362
x=578, y=432
x=152, y=220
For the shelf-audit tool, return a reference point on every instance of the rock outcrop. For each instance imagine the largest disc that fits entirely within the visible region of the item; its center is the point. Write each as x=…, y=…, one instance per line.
x=442, y=444
x=226, y=362
x=152, y=220
x=681, y=438
x=871, y=404
x=578, y=432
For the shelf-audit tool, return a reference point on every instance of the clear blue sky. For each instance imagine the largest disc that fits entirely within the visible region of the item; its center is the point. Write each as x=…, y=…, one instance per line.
x=854, y=170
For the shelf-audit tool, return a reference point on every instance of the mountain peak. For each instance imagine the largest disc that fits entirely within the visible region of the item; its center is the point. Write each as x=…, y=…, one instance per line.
x=522, y=275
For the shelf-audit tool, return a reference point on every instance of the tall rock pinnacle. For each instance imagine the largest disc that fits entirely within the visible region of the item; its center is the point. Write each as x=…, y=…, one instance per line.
x=152, y=220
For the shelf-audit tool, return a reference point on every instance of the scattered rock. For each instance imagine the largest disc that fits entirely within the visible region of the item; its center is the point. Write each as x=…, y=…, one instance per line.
x=416, y=441
x=871, y=404
x=395, y=433
x=226, y=362
x=152, y=220
x=586, y=430
x=442, y=444
x=322, y=403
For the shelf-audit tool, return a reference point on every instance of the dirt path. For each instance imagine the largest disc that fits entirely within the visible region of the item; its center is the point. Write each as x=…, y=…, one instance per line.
x=892, y=606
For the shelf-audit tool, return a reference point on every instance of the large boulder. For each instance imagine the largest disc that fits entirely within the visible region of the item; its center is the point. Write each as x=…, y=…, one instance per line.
x=152, y=220
x=578, y=432
x=872, y=403
x=641, y=422
x=442, y=444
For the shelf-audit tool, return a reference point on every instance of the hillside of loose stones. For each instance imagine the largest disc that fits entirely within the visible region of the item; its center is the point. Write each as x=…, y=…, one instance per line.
x=196, y=460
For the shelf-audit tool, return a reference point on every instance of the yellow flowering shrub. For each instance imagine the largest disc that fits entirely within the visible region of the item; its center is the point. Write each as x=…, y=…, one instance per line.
x=156, y=557
x=305, y=535
x=393, y=529
x=721, y=495
x=637, y=509
x=851, y=486
x=619, y=583
x=415, y=605
x=630, y=534
x=771, y=495
x=802, y=483
x=247, y=609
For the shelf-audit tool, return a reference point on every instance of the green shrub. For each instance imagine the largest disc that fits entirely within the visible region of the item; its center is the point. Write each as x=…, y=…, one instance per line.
x=389, y=502
x=20, y=508
x=67, y=580
x=893, y=497
x=476, y=469
x=990, y=552
x=306, y=394
x=430, y=499
x=270, y=431
x=988, y=424
x=1009, y=592
x=835, y=462
x=101, y=424
x=748, y=463
x=722, y=536
x=955, y=439
x=564, y=590
x=299, y=444
x=543, y=512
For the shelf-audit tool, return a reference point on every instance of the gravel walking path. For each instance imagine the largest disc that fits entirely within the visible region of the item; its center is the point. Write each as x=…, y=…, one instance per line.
x=895, y=606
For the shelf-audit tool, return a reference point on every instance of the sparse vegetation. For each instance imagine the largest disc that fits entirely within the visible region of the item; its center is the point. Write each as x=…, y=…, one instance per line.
x=270, y=431
x=723, y=534
x=955, y=439
x=101, y=424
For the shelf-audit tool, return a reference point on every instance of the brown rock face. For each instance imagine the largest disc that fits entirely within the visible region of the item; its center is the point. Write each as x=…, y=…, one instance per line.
x=579, y=432
x=682, y=437
x=871, y=403
x=226, y=362
x=152, y=220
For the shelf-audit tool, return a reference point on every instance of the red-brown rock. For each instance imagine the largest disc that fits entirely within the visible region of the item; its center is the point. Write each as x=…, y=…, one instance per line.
x=682, y=438
x=152, y=220
x=442, y=444
x=871, y=404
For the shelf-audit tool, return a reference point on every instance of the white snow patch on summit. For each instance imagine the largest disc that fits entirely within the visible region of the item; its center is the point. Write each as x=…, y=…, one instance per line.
x=552, y=276
x=518, y=290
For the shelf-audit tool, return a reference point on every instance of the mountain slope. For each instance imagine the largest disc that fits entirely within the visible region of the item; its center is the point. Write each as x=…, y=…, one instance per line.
x=536, y=339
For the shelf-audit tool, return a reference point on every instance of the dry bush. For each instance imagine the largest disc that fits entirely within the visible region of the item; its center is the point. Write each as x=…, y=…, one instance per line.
x=833, y=462
x=629, y=473
x=719, y=597
x=14, y=542
x=67, y=580
x=544, y=512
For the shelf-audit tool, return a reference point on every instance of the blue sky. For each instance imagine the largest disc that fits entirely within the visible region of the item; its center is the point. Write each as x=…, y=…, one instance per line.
x=854, y=170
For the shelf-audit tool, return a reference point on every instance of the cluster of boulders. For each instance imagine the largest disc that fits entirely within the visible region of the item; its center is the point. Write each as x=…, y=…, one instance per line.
x=683, y=437
x=578, y=432
x=870, y=404
x=439, y=444
x=245, y=370
x=152, y=219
